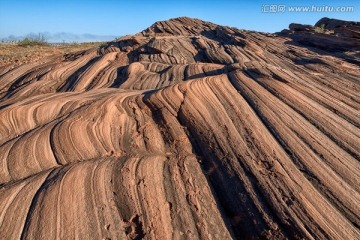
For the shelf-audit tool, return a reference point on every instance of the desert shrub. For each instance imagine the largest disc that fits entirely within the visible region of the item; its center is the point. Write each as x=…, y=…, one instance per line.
x=323, y=30
x=28, y=41
x=320, y=29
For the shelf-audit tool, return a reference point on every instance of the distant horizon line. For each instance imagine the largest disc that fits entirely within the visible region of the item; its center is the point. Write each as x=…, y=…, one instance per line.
x=59, y=37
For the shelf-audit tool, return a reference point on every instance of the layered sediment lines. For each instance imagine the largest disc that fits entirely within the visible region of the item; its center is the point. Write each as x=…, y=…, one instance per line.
x=187, y=130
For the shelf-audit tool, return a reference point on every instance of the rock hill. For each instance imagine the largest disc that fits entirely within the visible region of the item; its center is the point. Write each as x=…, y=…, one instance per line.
x=186, y=130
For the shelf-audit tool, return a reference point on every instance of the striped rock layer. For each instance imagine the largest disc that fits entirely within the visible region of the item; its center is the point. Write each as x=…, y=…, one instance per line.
x=187, y=130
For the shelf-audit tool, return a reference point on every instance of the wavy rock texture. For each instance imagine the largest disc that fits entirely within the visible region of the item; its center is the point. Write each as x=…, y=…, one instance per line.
x=187, y=130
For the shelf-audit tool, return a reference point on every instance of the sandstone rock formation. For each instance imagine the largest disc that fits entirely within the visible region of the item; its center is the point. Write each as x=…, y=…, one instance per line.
x=332, y=35
x=187, y=130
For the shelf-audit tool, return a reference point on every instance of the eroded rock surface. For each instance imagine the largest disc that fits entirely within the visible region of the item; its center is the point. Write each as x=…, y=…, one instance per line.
x=187, y=130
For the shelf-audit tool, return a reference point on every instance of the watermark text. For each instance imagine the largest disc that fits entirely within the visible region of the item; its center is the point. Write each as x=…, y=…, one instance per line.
x=280, y=8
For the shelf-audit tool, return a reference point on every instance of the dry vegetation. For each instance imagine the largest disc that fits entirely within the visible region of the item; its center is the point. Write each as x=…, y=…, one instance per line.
x=15, y=54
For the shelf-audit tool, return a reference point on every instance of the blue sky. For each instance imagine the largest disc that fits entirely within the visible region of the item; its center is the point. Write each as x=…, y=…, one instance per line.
x=116, y=18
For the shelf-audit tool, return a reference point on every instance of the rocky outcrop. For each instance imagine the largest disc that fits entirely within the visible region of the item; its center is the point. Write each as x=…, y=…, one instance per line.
x=187, y=130
x=328, y=36
x=345, y=29
x=332, y=24
x=300, y=27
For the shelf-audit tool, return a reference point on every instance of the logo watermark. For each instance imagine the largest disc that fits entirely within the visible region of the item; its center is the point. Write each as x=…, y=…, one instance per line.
x=281, y=8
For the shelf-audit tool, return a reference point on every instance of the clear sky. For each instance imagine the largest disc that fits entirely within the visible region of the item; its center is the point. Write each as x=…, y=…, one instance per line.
x=117, y=17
